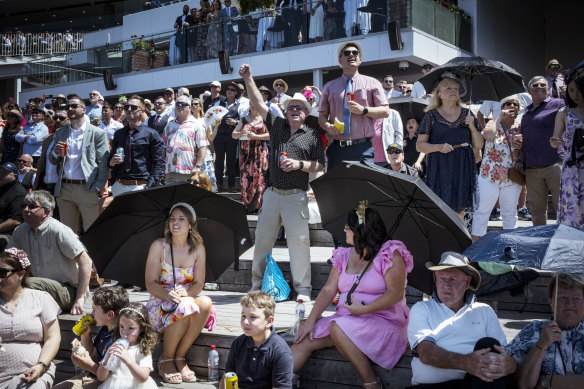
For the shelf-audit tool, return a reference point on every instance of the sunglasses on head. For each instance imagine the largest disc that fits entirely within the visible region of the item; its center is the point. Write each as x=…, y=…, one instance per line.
x=31, y=206
x=132, y=107
x=182, y=104
x=347, y=53
x=507, y=103
x=5, y=272
x=298, y=107
x=74, y=106
x=158, y=103
x=393, y=151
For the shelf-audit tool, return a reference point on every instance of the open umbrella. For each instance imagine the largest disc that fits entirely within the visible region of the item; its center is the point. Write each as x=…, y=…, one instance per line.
x=412, y=212
x=118, y=241
x=487, y=79
x=408, y=107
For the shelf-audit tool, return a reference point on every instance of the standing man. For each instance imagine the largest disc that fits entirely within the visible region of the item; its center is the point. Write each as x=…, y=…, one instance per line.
x=142, y=164
x=281, y=87
x=555, y=80
x=181, y=25
x=215, y=98
x=169, y=98
x=418, y=89
x=108, y=124
x=543, y=166
x=388, y=88
x=80, y=153
x=47, y=176
x=33, y=134
x=231, y=37
x=285, y=201
x=26, y=174
x=158, y=121
x=93, y=111
x=358, y=115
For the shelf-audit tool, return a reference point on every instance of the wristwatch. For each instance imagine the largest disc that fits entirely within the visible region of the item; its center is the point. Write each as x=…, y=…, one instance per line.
x=199, y=165
x=43, y=365
x=365, y=111
x=301, y=165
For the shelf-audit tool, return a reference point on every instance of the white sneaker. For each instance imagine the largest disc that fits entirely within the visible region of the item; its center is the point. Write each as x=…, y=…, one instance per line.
x=304, y=297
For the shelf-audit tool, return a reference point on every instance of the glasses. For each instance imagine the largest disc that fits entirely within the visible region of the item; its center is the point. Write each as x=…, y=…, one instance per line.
x=194, y=182
x=399, y=86
x=388, y=81
x=196, y=104
x=93, y=94
x=182, y=104
x=73, y=106
x=31, y=207
x=298, y=107
x=5, y=272
x=393, y=151
x=348, y=53
x=158, y=103
x=60, y=118
x=132, y=107
x=168, y=93
x=13, y=117
x=231, y=90
x=119, y=107
x=408, y=91
x=20, y=160
x=555, y=67
x=280, y=85
x=215, y=86
x=539, y=85
x=510, y=103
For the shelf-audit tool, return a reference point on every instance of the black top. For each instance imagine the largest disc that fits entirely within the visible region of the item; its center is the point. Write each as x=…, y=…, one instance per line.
x=232, y=113
x=148, y=154
x=209, y=102
x=305, y=144
x=102, y=342
x=159, y=127
x=11, y=200
x=410, y=153
x=267, y=366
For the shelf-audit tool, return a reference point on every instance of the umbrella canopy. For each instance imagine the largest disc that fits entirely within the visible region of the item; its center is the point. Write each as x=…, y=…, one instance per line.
x=487, y=79
x=555, y=247
x=119, y=240
x=408, y=107
x=412, y=212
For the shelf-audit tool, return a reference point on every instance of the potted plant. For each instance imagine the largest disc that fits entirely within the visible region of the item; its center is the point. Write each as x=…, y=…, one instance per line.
x=141, y=57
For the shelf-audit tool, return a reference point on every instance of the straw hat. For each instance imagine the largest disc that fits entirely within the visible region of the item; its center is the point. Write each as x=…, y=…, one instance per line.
x=297, y=97
x=452, y=260
x=280, y=81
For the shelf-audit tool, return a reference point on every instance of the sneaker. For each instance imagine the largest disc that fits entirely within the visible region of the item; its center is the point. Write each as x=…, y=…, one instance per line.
x=495, y=215
x=523, y=214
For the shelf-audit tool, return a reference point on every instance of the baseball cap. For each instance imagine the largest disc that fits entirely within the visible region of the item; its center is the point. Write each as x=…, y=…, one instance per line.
x=169, y=90
x=396, y=146
x=215, y=83
x=10, y=167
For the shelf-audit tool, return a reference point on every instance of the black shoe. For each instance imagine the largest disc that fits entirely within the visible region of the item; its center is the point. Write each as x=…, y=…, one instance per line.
x=523, y=214
x=495, y=215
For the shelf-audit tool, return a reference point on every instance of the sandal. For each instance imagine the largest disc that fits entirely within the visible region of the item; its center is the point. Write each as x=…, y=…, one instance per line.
x=189, y=376
x=171, y=378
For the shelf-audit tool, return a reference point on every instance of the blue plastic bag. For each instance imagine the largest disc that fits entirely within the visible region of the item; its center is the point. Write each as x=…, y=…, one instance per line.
x=274, y=283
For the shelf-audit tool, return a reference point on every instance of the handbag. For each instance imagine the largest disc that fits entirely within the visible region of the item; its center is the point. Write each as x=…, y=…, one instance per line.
x=514, y=174
x=274, y=283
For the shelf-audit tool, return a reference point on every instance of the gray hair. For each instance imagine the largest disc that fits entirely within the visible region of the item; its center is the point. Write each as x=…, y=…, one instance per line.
x=534, y=79
x=42, y=197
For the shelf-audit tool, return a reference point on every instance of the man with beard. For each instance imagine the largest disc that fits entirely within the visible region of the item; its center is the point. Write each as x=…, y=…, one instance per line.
x=181, y=25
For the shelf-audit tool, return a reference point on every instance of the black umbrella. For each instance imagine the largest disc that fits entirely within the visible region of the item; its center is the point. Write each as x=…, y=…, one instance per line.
x=412, y=212
x=487, y=79
x=408, y=107
x=118, y=241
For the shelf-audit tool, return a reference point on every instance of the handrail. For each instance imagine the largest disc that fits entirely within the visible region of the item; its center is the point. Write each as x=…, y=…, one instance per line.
x=21, y=44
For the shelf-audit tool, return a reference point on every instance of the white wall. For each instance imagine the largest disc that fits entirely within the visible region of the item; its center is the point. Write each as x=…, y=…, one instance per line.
x=101, y=38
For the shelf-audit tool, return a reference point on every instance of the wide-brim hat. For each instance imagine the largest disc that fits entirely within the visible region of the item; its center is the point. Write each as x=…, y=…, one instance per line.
x=297, y=97
x=455, y=77
x=61, y=96
x=264, y=88
x=554, y=62
x=345, y=44
x=278, y=81
x=14, y=112
x=452, y=260
x=233, y=84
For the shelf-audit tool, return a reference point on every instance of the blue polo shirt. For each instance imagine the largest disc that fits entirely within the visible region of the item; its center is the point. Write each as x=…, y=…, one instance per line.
x=268, y=365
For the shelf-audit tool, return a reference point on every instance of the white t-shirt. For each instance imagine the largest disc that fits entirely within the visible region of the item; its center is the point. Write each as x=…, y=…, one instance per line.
x=456, y=332
x=111, y=128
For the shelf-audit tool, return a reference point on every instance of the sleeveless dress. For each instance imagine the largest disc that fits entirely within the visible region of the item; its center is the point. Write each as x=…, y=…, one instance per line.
x=184, y=276
x=381, y=335
x=571, y=202
x=123, y=379
x=452, y=176
x=253, y=162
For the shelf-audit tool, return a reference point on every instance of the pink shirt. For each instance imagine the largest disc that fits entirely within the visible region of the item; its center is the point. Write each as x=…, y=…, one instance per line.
x=368, y=93
x=377, y=141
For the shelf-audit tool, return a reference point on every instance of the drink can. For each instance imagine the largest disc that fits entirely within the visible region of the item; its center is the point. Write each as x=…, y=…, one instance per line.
x=211, y=286
x=350, y=96
x=283, y=158
x=64, y=150
x=231, y=381
x=83, y=325
x=120, y=152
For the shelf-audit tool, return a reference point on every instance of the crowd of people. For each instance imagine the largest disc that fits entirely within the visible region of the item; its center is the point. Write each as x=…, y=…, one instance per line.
x=284, y=141
x=40, y=43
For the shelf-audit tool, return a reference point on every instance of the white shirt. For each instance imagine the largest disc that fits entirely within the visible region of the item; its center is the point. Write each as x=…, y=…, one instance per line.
x=392, y=131
x=490, y=107
x=111, y=128
x=457, y=332
x=418, y=90
x=72, y=169
x=51, y=176
x=21, y=176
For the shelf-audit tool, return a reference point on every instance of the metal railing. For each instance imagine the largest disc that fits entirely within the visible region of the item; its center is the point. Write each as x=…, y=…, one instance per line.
x=21, y=44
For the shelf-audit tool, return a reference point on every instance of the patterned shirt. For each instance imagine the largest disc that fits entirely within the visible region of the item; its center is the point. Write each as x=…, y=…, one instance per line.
x=183, y=140
x=567, y=360
x=497, y=158
x=305, y=144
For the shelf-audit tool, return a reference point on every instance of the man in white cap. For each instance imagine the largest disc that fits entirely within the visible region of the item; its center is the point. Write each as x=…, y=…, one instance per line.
x=356, y=100
x=216, y=96
x=296, y=150
x=456, y=340
x=550, y=353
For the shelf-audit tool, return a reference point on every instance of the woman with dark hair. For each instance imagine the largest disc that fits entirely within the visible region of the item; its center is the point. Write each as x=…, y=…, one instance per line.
x=372, y=315
x=202, y=30
x=175, y=275
x=9, y=146
x=214, y=35
x=29, y=329
x=569, y=136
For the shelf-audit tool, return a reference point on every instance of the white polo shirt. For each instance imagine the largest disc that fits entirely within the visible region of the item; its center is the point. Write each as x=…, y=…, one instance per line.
x=456, y=332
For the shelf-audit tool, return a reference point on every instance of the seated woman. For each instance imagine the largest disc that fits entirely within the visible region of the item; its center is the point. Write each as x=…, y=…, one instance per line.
x=175, y=275
x=27, y=348
x=372, y=316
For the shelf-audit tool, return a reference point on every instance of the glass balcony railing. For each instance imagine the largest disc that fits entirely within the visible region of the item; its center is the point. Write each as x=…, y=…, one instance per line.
x=262, y=31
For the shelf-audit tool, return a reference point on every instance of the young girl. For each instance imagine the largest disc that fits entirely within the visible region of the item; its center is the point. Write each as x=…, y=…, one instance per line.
x=136, y=361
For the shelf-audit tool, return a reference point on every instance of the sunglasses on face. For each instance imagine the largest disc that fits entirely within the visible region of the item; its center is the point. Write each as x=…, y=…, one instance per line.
x=409, y=91
x=196, y=104
x=73, y=106
x=554, y=67
x=19, y=160
x=60, y=118
x=393, y=152
x=158, y=103
x=388, y=81
x=231, y=90
x=132, y=107
x=193, y=182
x=182, y=104
x=540, y=85
x=511, y=103
x=280, y=85
x=13, y=117
x=298, y=107
x=169, y=93
x=119, y=107
x=5, y=272
x=31, y=207
x=354, y=53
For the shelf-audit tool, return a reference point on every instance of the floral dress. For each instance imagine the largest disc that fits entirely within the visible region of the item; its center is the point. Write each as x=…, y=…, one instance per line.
x=571, y=202
x=498, y=159
x=202, y=30
x=253, y=162
x=187, y=306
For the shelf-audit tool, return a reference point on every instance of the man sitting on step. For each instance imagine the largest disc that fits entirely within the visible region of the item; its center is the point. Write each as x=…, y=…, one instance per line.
x=456, y=341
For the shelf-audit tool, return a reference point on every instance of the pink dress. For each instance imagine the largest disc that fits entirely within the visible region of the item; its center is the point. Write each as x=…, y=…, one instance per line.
x=187, y=306
x=380, y=335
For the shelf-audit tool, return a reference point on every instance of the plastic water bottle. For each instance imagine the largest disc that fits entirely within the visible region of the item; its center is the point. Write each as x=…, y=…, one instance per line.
x=213, y=364
x=300, y=312
x=113, y=362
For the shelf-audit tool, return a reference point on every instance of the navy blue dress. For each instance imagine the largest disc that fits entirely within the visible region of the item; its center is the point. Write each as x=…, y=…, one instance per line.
x=452, y=176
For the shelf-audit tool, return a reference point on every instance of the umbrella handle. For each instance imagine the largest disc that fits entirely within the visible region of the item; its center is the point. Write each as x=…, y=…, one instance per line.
x=556, y=297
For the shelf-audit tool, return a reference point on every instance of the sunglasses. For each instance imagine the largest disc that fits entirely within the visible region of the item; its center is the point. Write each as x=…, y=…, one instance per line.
x=196, y=104
x=194, y=182
x=388, y=81
x=158, y=103
x=132, y=107
x=231, y=90
x=60, y=118
x=540, y=85
x=393, y=152
x=354, y=53
x=555, y=67
x=74, y=106
x=182, y=104
x=168, y=93
x=280, y=85
x=408, y=91
x=510, y=103
x=298, y=107
x=21, y=160
x=5, y=272
x=119, y=107
x=31, y=206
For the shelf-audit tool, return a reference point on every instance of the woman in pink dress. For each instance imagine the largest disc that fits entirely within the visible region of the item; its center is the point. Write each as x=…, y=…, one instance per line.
x=372, y=323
